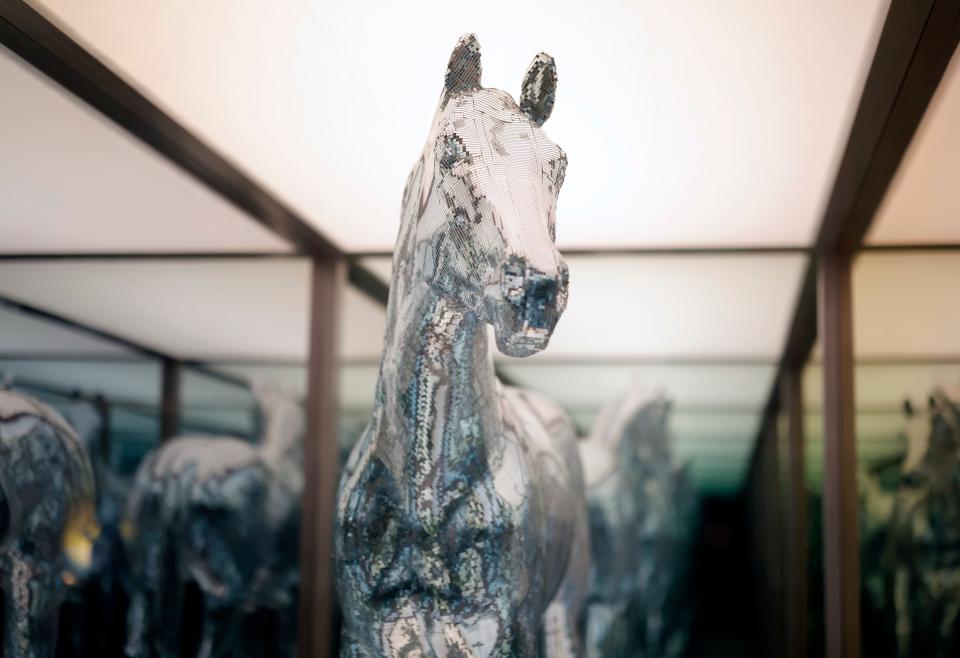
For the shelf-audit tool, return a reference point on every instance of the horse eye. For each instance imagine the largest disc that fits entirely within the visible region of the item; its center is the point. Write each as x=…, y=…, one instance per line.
x=452, y=151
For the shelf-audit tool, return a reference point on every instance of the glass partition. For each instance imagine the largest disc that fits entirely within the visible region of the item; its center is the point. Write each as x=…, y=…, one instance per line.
x=193, y=531
x=907, y=346
x=110, y=397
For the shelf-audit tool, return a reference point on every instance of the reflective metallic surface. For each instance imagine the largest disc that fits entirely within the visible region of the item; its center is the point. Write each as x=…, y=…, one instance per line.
x=642, y=513
x=223, y=514
x=47, y=520
x=461, y=521
x=924, y=537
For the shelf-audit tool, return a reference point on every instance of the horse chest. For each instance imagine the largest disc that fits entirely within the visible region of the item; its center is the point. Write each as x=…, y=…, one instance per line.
x=453, y=541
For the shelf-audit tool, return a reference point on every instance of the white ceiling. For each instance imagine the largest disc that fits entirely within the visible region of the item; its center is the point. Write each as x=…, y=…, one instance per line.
x=686, y=124
x=72, y=181
x=194, y=308
x=923, y=202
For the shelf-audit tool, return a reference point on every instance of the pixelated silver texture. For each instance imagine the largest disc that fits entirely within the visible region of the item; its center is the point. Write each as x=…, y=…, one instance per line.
x=461, y=522
x=46, y=515
x=924, y=539
x=642, y=518
x=220, y=512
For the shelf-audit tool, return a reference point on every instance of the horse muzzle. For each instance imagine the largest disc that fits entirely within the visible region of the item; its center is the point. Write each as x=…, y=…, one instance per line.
x=531, y=302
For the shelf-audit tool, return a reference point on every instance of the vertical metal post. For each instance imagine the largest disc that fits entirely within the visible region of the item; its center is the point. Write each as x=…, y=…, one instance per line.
x=772, y=538
x=320, y=463
x=169, y=398
x=840, y=530
x=796, y=558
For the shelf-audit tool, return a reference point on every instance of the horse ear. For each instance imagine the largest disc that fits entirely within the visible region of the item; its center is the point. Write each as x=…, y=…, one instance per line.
x=907, y=408
x=539, y=89
x=463, y=70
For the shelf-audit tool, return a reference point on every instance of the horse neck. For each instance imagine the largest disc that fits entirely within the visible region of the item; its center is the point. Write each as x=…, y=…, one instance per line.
x=281, y=441
x=437, y=392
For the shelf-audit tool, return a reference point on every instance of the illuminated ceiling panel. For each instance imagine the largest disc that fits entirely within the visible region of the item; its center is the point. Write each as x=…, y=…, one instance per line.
x=686, y=124
x=73, y=182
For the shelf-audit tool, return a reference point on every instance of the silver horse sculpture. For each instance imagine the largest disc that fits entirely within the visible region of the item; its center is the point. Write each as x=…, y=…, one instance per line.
x=641, y=522
x=461, y=519
x=925, y=538
x=47, y=520
x=221, y=513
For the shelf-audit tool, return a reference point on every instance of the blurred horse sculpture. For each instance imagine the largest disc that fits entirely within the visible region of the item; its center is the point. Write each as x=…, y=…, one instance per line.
x=925, y=541
x=641, y=524
x=224, y=514
x=461, y=519
x=877, y=493
x=47, y=520
x=100, y=595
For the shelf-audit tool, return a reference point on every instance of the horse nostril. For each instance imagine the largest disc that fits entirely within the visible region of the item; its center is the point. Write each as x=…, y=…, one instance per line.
x=534, y=294
x=541, y=289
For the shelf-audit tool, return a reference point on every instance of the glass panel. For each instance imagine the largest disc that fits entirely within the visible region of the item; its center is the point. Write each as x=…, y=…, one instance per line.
x=908, y=449
x=107, y=400
x=239, y=452
x=216, y=403
x=711, y=428
x=190, y=539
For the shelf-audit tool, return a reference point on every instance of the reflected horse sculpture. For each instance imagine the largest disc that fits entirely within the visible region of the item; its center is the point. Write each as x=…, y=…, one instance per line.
x=223, y=514
x=90, y=421
x=641, y=523
x=461, y=519
x=47, y=520
x=100, y=594
x=925, y=542
x=876, y=485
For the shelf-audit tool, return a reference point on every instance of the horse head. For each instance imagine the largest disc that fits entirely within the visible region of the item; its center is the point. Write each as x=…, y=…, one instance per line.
x=933, y=442
x=486, y=202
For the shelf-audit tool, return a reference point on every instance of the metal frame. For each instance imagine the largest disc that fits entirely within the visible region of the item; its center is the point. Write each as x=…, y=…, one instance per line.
x=917, y=41
x=841, y=543
x=317, y=603
x=795, y=517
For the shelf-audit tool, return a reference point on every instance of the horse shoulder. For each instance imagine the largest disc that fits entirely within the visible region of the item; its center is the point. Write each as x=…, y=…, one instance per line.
x=205, y=456
x=541, y=419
